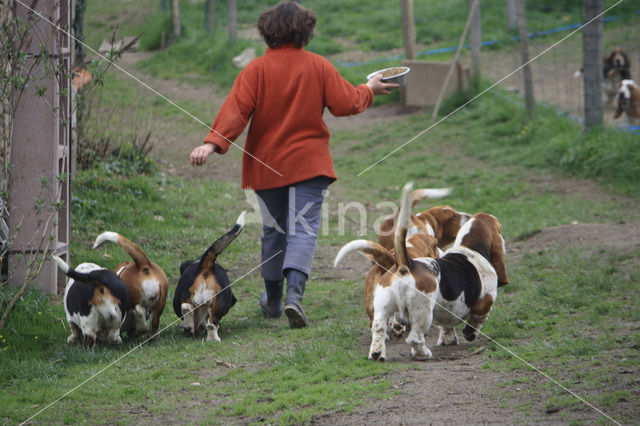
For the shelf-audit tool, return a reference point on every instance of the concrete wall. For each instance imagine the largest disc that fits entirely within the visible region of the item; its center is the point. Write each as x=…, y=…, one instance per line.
x=426, y=79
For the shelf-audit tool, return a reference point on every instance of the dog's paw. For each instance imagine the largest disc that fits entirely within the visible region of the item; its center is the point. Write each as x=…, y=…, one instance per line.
x=421, y=354
x=470, y=333
x=187, y=331
x=447, y=337
x=377, y=356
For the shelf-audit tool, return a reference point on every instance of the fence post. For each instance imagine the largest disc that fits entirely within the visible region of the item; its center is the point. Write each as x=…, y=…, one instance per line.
x=233, y=20
x=512, y=14
x=592, y=64
x=524, y=53
x=175, y=18
x=476, y=37
x=209, y=15
x=408, y=29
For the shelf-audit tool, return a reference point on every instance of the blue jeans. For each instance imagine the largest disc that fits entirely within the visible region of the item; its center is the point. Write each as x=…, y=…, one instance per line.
x=290, y=223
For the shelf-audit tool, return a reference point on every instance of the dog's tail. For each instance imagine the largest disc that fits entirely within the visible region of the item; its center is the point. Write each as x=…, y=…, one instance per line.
x=136, y=253
x=399, y=241
x=84, y=277
x=421, y=194
x=372, y=250
x=209, y=257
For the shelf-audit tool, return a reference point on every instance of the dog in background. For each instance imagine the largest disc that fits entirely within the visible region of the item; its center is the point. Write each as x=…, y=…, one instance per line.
x=460, y=286
x=615, y=68
x=147, y=285
x=629, y=102
x=95, y=302
x=203, y=295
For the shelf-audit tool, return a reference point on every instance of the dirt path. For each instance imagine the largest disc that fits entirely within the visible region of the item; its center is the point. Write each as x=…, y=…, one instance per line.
x=453, y=388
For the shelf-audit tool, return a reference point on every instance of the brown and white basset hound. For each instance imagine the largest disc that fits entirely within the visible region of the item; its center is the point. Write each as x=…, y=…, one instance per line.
x=460, y=286
x=147, y=285
x=95, y=302
x=629, y=101
x=203, y=295
x=418, y=245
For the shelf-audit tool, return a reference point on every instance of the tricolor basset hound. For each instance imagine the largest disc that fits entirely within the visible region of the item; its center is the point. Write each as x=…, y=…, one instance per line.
x=460, y=286
x=95, y=301
x=629, y=101
x=203, y=295
x=147, y=285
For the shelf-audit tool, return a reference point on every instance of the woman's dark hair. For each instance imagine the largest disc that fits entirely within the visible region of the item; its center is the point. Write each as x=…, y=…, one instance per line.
x=287, y=23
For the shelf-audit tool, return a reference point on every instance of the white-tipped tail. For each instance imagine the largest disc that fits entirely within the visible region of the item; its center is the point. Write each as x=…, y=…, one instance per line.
x=420, y=194
x=404, y=214
x=61, y=264
x=404, y=218
x=241, y=219
x=349, y=247
x=106, y=236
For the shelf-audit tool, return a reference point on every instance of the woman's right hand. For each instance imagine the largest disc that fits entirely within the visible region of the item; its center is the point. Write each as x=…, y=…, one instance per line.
x=378, y=87
x=200, y=153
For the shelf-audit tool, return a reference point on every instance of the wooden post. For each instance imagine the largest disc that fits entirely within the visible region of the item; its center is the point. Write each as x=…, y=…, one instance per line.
x=209, y=11
x=512, y=14
x=454, y=63
x=524, y=53
x=175, y=18
x=592, y=64
x=408, y=29
x=233, y=20
x=40, y=153
x=476, y=37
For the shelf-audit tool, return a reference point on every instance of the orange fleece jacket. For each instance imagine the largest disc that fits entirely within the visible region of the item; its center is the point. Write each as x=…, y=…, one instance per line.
x=284, y=93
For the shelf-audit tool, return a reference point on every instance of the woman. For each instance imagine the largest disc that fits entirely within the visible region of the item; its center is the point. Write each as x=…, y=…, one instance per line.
x=287, y=160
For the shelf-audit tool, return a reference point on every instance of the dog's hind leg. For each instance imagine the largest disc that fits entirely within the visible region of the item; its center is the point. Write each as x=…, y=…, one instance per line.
x=212, y=325
x=140, y=315
x=479, y=313
x=76, y=334
x=188, y=325
x=384, y=306
x=420, y=319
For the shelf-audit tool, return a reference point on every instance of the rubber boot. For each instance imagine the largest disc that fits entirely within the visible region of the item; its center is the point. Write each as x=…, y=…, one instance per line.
x=296, y=282
x=271, y=300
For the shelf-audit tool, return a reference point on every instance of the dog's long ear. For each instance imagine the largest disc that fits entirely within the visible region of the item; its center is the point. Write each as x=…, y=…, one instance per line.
x=497, y=256
x=209, y=257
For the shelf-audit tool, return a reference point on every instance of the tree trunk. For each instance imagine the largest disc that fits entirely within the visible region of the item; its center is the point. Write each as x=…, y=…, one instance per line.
x=233, y=20
x=524, y=53
x=210, y=8
x=175, y=18
x=592, y=64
